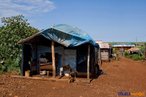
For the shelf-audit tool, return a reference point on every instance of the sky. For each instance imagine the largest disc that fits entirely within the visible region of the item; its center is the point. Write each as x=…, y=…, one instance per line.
x=106, y=20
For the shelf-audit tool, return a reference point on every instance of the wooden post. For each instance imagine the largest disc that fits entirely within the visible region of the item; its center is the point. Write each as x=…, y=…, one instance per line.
x=99, y=57
x=53, y=59
x=22, y=63
x=145, y=51
x=37, y=58
x=63, y=57
x=88, y=63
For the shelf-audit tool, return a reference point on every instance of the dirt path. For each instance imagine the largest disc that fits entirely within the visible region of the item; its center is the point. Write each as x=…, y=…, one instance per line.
x=124, y=75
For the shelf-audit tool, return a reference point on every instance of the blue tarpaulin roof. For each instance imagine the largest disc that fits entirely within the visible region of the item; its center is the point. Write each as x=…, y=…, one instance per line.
x=67, y=35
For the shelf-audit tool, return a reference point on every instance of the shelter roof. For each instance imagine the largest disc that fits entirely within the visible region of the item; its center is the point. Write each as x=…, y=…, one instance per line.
x=63, y=34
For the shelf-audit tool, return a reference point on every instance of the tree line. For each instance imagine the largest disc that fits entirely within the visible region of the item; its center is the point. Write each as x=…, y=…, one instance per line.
x=12, y=30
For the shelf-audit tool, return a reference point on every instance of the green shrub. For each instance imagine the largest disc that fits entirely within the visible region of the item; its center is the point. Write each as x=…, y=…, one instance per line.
x=3, y=68
x=126, y=54
x=12, y=30
x=10, y=66
x=137, y=57
x=134, y=56
x=13, y=65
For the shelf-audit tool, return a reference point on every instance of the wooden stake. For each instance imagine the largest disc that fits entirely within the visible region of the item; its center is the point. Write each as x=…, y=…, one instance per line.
x=53, y=60
x=145, y=51
x=88, y=63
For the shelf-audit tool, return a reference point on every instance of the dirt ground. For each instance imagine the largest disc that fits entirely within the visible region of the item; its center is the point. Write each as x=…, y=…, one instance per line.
x=123, y=75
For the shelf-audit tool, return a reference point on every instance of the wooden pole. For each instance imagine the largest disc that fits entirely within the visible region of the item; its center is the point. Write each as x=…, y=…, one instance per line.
x=63, y=57
x=53, y=59
x=99, y=57
x=145, y=51
x=88, y=63
x=22, y=63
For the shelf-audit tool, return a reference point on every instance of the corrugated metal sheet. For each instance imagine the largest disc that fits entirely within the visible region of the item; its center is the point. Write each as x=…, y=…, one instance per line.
x=123, y=45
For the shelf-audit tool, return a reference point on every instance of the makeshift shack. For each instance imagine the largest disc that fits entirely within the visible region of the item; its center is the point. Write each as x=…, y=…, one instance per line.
x=121, y=48
x=58, y=46
x=105, y=50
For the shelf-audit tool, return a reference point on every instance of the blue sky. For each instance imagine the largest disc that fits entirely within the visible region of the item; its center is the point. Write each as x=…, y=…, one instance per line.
x=107, y=20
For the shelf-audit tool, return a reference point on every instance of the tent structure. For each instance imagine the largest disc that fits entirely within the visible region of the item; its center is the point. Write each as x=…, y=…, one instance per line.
x=60, y=45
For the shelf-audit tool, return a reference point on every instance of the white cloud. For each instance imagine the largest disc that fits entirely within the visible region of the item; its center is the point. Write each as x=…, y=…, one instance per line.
x=25, y=7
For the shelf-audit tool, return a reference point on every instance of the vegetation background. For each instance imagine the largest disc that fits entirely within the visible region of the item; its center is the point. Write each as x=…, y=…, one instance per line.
x=13, y=29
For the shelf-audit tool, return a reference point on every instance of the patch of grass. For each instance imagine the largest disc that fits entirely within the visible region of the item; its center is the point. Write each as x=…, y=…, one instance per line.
x=137, y=57
x=134, y=56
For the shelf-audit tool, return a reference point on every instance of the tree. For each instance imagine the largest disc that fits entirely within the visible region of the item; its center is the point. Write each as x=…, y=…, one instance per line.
x=14, y=29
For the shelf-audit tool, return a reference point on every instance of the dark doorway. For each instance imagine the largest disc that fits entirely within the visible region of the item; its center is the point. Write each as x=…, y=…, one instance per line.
x=27, y=54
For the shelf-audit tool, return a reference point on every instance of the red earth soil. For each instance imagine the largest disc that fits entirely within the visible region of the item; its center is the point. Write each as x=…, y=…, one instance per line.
x=123, y=75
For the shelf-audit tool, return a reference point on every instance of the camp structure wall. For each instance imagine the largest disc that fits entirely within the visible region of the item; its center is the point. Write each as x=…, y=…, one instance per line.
x=105, y=54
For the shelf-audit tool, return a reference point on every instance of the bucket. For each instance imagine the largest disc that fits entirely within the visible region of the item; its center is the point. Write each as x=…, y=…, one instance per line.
x=27, y=73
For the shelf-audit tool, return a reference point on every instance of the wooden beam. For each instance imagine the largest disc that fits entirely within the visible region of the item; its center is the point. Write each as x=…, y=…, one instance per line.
x=88, y=63
x=53, y=59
